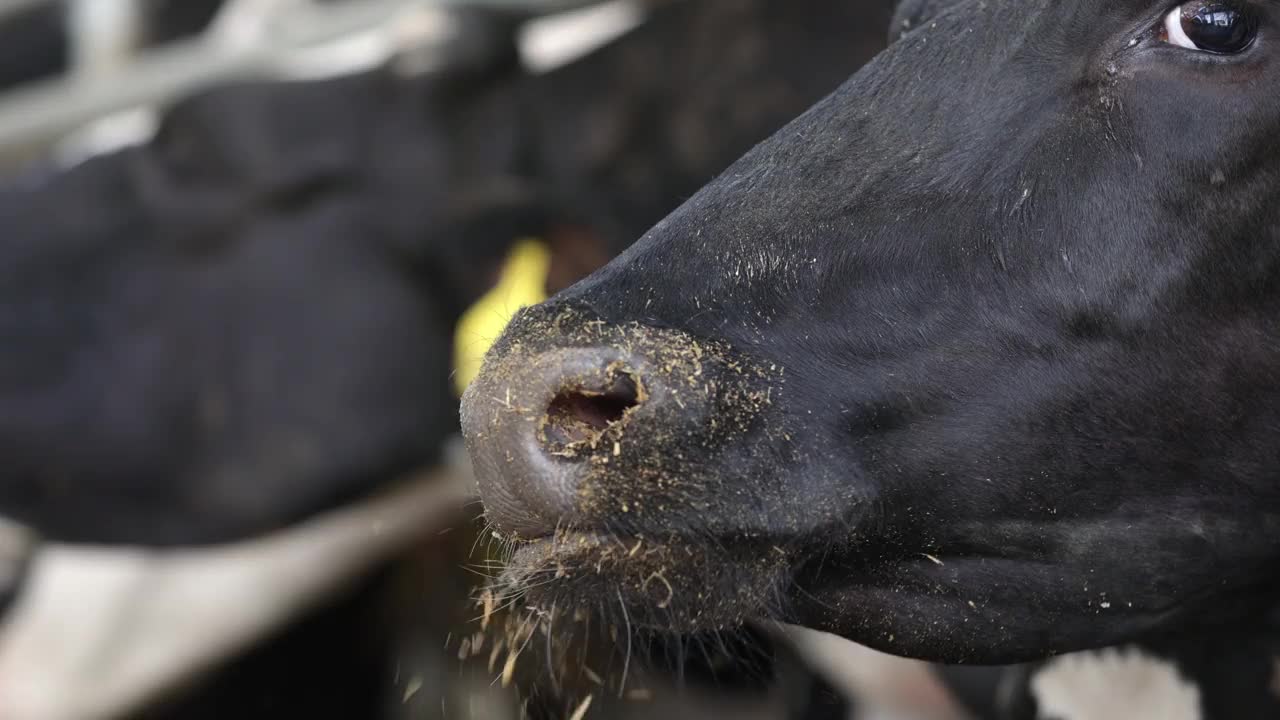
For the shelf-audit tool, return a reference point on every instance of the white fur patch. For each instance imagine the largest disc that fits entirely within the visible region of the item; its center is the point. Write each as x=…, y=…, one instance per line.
x=1114, y=685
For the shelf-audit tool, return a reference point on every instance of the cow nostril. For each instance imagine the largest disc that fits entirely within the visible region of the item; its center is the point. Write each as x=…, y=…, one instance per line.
x=578, y=417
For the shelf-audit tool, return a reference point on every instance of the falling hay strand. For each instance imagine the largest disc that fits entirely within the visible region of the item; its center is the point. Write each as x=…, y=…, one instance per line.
x=488, y=609
x=495, y=652
x=509, y=669
x=582, y=708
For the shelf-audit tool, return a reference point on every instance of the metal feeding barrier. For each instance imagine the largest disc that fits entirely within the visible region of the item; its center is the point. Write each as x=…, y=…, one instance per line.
x=113, y=70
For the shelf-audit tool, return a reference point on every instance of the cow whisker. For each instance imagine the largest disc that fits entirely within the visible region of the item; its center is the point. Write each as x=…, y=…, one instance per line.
x=626, y=663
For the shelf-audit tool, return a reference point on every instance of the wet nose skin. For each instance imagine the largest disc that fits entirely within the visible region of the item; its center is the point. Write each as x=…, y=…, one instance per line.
x=536, y=425
x=579, y=424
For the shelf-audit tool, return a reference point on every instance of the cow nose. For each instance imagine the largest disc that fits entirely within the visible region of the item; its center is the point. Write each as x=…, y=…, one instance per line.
x=537, y=426
x=578, y=424
x=585, y=407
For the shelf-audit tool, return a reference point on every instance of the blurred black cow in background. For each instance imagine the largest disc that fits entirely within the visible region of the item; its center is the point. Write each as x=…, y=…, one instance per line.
x=247, y=321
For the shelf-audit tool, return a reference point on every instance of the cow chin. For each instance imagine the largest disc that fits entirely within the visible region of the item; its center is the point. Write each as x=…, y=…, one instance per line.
x=673, y=585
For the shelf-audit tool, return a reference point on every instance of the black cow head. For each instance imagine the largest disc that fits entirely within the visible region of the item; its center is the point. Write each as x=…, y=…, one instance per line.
x=245, y=321
x=977, y=360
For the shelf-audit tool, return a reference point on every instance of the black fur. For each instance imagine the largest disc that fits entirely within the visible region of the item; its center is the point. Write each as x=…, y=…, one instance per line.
x=1021, y=277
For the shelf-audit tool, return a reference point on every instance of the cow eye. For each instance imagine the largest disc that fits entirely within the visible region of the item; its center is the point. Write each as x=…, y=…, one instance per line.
x=1219, y=27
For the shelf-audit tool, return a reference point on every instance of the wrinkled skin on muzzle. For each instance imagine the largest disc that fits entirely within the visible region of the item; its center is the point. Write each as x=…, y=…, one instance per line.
x=1018, y=282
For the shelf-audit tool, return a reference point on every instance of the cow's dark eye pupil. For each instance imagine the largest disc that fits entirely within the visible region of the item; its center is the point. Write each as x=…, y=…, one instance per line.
x=1218, y=27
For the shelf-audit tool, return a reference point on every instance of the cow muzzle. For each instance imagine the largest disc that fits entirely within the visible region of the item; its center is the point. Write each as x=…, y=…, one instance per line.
x=637, y=464
x=575, y=423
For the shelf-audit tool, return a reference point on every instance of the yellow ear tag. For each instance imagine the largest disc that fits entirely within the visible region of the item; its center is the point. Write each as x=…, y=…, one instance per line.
x=523, y=281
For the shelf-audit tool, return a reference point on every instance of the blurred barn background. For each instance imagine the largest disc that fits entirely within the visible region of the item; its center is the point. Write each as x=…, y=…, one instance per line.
x=388, y=629
x=85, y=76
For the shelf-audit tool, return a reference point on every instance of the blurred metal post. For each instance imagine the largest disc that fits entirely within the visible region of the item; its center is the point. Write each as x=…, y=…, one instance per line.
x=45, y=111
x=103, y=35
x=521, y=7
x=249, y=39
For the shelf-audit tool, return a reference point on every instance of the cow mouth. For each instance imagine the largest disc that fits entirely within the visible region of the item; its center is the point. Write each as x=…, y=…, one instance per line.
x=668, y=584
